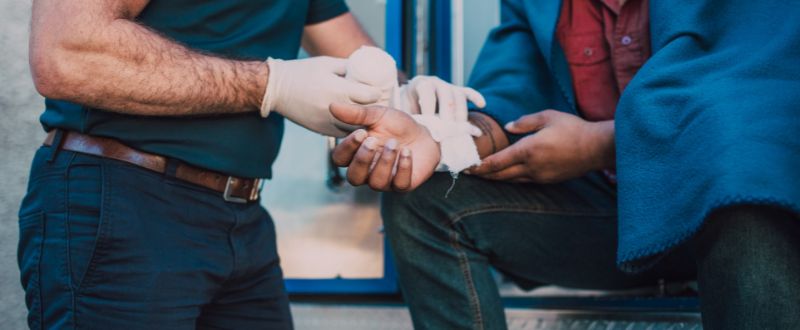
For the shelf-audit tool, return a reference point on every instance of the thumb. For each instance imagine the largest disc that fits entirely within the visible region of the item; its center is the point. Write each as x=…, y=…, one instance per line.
x=363, y=94
x=528, y=123
x=332, y=64
x=357, y=115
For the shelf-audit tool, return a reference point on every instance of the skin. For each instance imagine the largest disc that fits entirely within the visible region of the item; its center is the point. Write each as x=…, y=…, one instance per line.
x=559, y=146
x=93, y=53
x=365, y=148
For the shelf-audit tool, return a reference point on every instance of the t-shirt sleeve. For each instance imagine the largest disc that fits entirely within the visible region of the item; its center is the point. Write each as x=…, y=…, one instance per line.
x=323, y=10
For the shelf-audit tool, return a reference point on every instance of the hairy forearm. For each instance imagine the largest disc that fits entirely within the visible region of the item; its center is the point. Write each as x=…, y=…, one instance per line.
x=119, y=65
x=493, y=138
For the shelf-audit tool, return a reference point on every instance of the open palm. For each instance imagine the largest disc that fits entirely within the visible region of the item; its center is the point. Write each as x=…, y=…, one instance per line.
x=383, y=125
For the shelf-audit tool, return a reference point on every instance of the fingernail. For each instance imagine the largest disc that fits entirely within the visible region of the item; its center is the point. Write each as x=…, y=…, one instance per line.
x=370, y=143
x=391, y=145
x=510, y=125
x=468, y=172
x=406, y=152
x=361, y=135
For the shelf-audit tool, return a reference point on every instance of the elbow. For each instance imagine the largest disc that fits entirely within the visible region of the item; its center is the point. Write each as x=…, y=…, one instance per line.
x=55, y=71
x=48, y=76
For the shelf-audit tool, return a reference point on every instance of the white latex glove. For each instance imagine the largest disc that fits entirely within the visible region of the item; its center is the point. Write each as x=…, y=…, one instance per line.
x=449, y=127
x=302, y=90
x=373, y=66
x=421, y=95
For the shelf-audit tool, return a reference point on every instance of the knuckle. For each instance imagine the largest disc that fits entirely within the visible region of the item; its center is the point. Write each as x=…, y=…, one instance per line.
x=352, y=180
x=388, y=157
x=376, y=184
x=337, y=161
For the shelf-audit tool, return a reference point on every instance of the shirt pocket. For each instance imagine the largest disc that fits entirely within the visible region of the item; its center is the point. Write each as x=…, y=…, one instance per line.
x=592, y=73
x=586, y=49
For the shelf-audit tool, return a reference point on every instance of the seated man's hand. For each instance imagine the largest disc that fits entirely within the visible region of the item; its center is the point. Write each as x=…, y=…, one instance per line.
x=562, y=146
x=392, y=153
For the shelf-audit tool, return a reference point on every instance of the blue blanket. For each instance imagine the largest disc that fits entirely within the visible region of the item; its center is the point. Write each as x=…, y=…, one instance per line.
x=711, y=120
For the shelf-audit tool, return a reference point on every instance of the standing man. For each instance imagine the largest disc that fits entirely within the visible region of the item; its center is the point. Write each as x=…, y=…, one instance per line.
x=142, y=209
x=693, y=103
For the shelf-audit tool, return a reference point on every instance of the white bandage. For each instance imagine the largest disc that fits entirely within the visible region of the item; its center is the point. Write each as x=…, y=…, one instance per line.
x=458, y=149
x=373, y=66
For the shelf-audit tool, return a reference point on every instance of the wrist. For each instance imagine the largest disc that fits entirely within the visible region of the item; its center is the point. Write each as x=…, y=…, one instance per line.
x=600, y=147
x=258, y=89
x=492, y=139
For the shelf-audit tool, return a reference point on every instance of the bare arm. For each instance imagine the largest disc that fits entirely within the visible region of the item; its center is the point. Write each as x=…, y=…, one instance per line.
x=493, y=138
x=337, y=37
x=92, y=52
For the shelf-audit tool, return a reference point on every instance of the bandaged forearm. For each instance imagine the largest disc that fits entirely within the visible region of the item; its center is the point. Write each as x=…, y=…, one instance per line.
x=458, y=149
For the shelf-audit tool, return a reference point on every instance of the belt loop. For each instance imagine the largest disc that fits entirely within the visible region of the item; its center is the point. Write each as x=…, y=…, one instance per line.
x=56, y=145
x=172, y=167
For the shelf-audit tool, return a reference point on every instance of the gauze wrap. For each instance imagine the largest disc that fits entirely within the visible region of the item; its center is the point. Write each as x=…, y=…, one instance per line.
x=373, y=66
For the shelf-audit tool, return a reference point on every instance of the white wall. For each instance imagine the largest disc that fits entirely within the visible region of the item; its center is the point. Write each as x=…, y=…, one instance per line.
x=480, y=16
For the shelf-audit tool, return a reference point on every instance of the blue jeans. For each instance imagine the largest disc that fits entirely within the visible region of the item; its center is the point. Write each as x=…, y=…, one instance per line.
x=108, y=245
x=565, y=234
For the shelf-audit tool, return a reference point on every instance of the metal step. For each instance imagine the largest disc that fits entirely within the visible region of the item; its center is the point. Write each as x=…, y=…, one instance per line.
x=309, y=316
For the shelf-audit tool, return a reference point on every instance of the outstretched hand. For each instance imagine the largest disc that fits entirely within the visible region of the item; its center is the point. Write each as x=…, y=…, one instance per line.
x=391, y=153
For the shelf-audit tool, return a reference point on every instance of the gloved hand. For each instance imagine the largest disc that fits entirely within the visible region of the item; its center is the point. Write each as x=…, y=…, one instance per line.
x=302, y=90
x=422, y=93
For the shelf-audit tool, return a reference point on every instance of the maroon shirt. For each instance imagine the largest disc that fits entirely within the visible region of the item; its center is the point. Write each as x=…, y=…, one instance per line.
x=605, y=44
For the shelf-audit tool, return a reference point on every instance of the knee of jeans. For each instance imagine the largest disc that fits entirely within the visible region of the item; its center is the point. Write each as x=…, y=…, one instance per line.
x=753, y=246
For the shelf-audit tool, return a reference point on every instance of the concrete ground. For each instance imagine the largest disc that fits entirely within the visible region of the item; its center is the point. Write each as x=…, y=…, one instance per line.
x=20, y=134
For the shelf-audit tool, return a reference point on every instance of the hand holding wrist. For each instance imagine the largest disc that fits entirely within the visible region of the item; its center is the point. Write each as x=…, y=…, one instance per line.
x=302, y=90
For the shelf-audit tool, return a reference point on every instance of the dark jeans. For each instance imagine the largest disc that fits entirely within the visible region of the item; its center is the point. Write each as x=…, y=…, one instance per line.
x=107, y=245
x=565, y=234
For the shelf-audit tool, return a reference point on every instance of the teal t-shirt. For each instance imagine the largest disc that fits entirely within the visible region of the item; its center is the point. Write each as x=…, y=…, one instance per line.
x=244, y=144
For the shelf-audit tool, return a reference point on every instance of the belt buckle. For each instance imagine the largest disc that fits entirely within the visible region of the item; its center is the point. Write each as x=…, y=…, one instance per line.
x=228, y=197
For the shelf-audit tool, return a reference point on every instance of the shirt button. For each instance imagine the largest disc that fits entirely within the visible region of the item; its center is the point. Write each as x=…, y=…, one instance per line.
x=626, y=40
x=588, y=51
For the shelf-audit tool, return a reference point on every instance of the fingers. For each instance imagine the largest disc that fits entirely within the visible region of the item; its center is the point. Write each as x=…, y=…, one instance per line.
x=402, y=178
x=475, y=97
x=336, y=65
x=460, y=111
x=529, y=123
x=357, y=115
x=375, y=165
x=512, y=173
x=426, y=97
x=358, y=171
x=447, y=104
x=361, y=93
x=343, y=153
x=502, y=159
x=474, y=130
x=381, y=177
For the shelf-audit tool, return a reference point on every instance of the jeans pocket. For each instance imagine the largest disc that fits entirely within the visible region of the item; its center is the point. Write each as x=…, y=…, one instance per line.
x=85, y=221
x=29, y=255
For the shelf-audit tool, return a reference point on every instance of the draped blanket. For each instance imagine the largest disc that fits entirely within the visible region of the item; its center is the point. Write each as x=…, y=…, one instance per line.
x=711, y=120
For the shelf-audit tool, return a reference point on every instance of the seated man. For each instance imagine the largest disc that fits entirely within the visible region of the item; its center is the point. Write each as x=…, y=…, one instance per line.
x=705, y=146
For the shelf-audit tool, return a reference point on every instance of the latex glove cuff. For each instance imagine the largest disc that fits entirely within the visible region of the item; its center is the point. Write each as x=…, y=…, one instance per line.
x=269, y=100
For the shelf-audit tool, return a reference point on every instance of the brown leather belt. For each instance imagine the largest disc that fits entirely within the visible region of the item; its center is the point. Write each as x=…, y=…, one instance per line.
x=233, y=189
